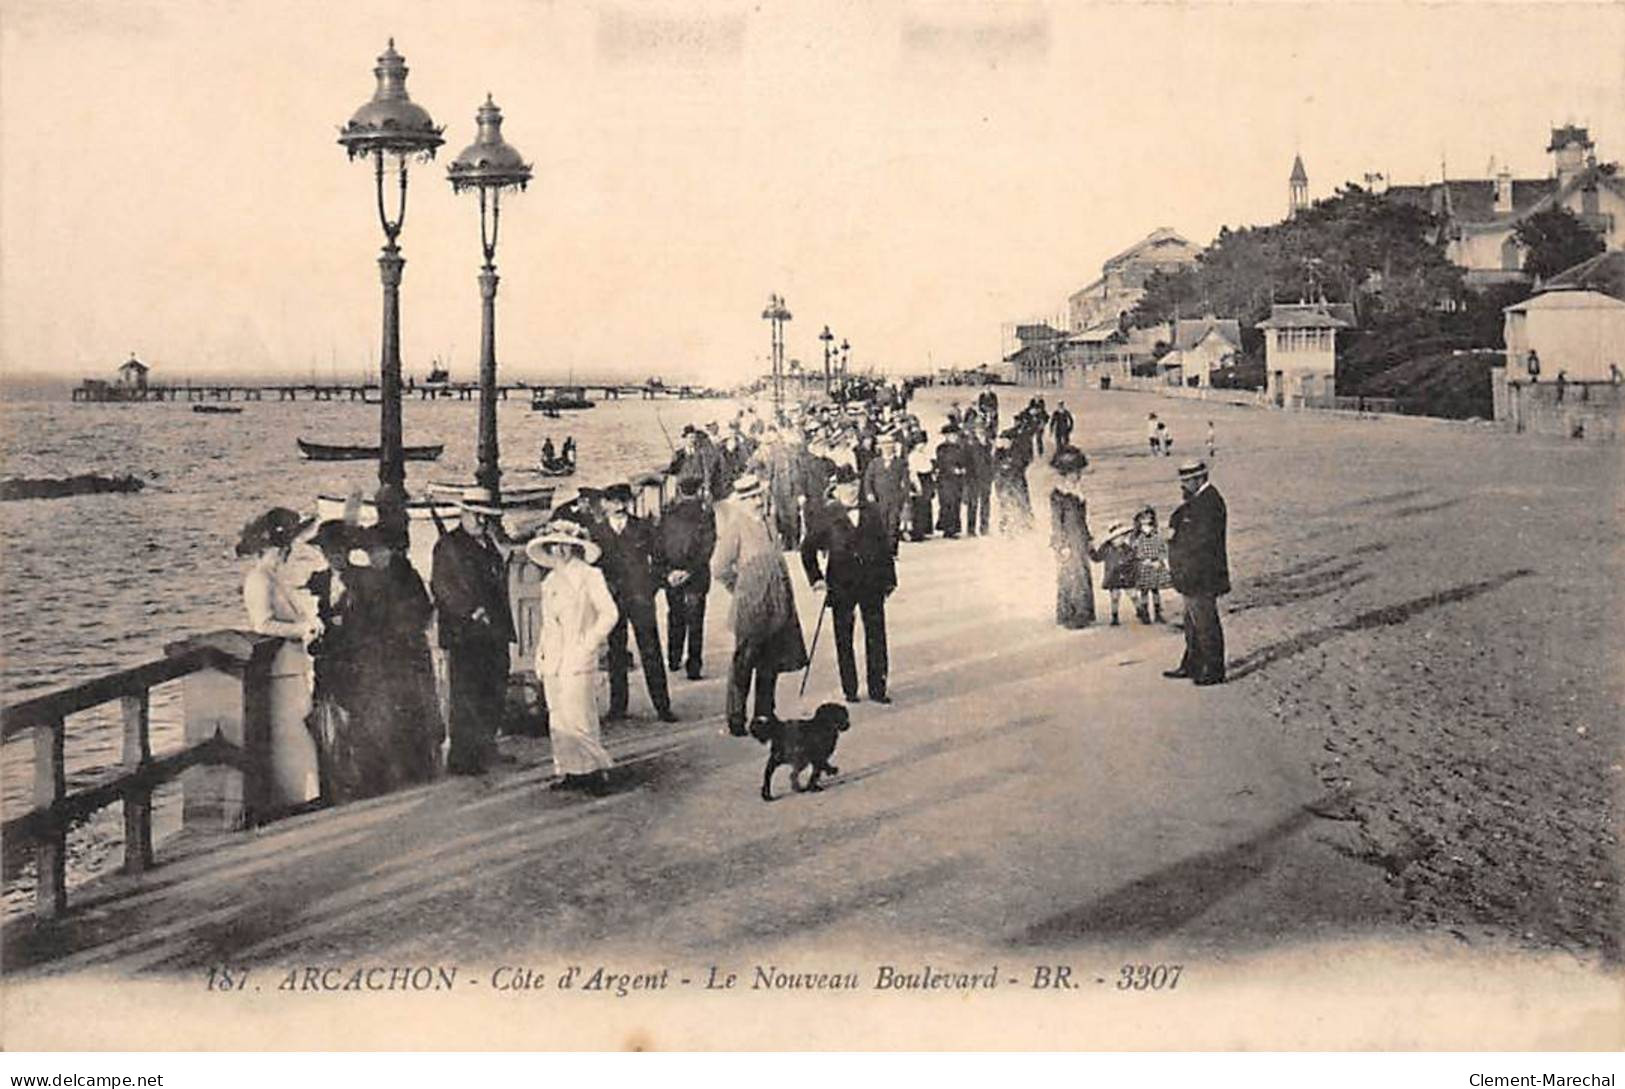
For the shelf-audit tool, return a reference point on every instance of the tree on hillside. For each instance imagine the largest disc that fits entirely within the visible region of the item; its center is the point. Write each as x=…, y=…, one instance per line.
x=1168, y=294
x=1554, y=240
x=1381, y=256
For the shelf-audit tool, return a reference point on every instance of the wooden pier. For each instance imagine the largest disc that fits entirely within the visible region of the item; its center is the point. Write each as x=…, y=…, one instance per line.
x=93, y=392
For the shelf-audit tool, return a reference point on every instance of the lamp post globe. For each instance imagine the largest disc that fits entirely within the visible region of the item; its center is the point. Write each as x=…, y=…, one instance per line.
x=826, y=336
x=488, y=166
x=777, y=314
x=391, y=129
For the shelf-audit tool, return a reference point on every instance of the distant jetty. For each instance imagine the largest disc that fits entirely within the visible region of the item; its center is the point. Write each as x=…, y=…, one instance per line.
x=59, y=487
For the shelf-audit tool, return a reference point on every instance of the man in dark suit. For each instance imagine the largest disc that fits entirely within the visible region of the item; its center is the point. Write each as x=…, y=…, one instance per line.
x=978, y=479
x=1200, y=567
x=885, y=485
x=951, y=471
x=687, y=537
x=860, y=572
x=469, y=583
x=629, y=563
x=698, y=460
x=988, y=402
x=1061, y=425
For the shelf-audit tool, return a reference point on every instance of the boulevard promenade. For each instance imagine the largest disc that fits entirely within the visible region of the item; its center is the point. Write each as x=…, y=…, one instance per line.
x=1419, y=745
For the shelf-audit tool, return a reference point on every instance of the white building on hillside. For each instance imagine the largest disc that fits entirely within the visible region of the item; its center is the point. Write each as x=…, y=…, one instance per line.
x=1300, y=351
x=1576, y=327
x=1200, y=347
x=1481, y=215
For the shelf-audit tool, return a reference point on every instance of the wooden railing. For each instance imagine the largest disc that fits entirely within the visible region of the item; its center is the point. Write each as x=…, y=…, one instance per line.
x=227, y=711
x=45, y=828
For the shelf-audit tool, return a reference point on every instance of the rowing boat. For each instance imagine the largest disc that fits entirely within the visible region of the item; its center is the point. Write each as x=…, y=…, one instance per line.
x=321, y=451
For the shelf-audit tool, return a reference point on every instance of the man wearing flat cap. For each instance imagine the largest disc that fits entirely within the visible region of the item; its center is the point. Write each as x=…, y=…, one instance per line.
x=631, y=567
x=1200, y=567
x=469, y=582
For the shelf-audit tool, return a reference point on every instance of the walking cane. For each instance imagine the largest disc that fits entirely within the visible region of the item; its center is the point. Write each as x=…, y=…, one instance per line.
x=814, y=649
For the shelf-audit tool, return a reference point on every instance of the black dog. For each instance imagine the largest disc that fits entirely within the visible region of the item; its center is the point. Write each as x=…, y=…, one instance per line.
x=801, y=742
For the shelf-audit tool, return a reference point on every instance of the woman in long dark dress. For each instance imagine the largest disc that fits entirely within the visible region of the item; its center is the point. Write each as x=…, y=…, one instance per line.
x=1069, y=538
x=333, y=655
x=394, y=728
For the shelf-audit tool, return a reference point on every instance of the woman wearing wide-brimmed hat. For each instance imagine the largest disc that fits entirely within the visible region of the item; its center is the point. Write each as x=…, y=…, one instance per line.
x=578, y=614
x=274, y=608
x=1069, y=539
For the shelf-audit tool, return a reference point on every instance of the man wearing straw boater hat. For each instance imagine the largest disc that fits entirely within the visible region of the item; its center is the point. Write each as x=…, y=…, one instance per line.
x=469, y=582
x=767, y=631
x=1200, y=567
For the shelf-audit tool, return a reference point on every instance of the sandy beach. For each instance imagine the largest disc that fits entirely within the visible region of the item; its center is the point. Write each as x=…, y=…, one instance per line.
x=1432, y=608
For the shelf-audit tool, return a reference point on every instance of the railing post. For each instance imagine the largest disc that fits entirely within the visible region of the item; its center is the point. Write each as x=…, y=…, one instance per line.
x=51, y=851
x=137, y=800
x=231, y=699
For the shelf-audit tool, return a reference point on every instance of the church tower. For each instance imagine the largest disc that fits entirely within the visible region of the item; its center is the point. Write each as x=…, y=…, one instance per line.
x=1299, y=187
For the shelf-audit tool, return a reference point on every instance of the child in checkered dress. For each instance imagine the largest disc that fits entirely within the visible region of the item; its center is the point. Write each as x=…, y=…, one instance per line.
x=1150, y=565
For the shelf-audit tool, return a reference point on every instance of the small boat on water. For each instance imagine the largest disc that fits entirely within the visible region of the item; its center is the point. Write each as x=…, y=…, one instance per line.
x=557, y=467
x=231, y=410
x=321, y=451
x=417, y=510
x=562, y=398
x=516, y=495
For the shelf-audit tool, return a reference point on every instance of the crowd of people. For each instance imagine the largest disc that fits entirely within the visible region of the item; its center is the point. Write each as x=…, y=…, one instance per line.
x=841, y=484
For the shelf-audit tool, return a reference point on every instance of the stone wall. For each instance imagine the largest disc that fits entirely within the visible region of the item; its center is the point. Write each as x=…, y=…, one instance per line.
x=1581, y=410
x=1192, y=393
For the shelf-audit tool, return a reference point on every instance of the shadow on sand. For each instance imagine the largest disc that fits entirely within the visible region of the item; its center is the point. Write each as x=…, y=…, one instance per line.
x=1166, y=900
x=1386, y=616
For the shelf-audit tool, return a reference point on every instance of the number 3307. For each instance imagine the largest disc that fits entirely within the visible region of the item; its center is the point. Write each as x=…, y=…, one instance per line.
x=1149, y=977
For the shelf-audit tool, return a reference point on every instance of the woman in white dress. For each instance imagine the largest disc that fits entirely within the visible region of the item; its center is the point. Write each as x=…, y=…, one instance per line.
x=578, y=614
x=273, y=609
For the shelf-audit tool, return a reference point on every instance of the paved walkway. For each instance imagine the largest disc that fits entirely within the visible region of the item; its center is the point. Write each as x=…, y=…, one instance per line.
x=1029, y=787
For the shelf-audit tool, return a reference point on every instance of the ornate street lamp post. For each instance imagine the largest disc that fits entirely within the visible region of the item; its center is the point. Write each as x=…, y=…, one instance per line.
x=826, y=336
x=391, y=127
x=488, y=165
x=845, y=350
x=777, y=314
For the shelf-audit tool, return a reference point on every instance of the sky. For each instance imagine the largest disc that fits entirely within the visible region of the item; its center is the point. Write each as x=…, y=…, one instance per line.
x=915, y=175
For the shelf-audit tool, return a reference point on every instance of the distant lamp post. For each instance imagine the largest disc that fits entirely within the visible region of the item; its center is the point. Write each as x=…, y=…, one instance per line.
x=391, y=127
x=845, y=355
x=826, y=336
x=777, y=314
x=488, y=165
